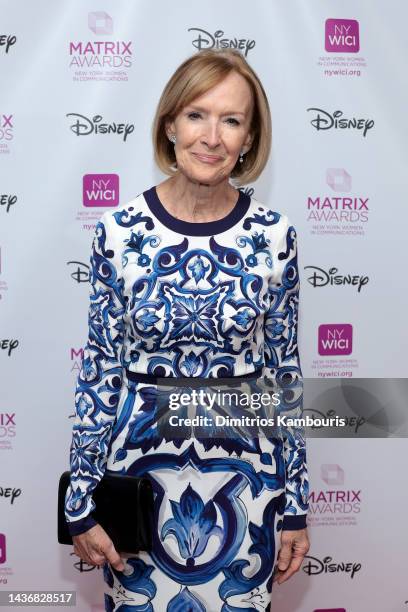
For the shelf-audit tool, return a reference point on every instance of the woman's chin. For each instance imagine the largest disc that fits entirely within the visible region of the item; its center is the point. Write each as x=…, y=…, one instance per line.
x=204, y=178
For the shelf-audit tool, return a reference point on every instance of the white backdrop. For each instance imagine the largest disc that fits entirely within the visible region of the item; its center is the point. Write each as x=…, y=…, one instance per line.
x=342, y=188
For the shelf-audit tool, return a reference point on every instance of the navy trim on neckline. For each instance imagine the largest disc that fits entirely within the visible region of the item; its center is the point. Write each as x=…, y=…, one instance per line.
x=191, y=228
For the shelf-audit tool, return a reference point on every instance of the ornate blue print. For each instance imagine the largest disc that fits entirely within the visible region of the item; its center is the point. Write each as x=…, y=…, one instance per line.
x=198, y=306
x=179, y=317
x=195, y=517
x=193, y=524
x=259, y=244
x=124, y=219
x=263, y=545
x=135, y=244
x=99, y=381
x=148, y=427
x=267, y=218
x=137, y=581
x=185, y=601
x=297, y=495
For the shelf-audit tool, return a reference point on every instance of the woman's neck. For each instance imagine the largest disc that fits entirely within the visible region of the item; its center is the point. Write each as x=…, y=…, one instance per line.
x=196, y=202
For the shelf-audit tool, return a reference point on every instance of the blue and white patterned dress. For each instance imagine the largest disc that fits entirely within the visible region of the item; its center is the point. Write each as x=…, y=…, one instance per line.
x=182, y=299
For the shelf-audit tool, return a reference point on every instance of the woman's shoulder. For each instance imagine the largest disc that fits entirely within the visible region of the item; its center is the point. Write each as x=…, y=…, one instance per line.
x=268, y=216
x=125, y=214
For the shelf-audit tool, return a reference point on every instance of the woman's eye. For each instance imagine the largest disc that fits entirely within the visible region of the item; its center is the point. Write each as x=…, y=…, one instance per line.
x=236, y=122
x=195, y=115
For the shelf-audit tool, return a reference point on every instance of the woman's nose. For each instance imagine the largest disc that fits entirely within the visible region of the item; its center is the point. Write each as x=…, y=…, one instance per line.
x=211, y=134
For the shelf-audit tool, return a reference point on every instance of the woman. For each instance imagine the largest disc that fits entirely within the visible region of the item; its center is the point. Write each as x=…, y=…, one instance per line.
x=193, y=278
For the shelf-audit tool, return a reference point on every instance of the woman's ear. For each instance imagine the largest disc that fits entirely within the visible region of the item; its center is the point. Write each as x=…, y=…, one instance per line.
x=247, y=144
x=169, y=127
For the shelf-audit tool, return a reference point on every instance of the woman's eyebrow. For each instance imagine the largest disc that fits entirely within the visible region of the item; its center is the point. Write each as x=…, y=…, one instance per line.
x=204, y=110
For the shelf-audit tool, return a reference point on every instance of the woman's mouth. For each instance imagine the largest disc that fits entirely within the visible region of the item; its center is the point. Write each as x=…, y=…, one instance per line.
x=207, y=159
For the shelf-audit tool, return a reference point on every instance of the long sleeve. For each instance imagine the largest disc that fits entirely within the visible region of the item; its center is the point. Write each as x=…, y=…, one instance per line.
x=282, y=365
x=100, y=379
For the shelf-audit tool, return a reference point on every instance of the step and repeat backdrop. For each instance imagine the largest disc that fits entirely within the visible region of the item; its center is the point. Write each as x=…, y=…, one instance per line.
x=79, y=85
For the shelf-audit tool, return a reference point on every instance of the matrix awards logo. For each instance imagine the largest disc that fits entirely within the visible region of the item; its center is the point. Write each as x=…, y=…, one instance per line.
x=100, y=60
x=335, y=339
x=338, y=213
x=6, y=133
x=7, y=201
x=7, y=41
x=334, y=505
x=7, y=429
x=76, y=358
x=100, y=22
x=341, y=37
x=206, y=40
x=332, y=474
x=100, y=190
x=322, y=278
x=325, y=120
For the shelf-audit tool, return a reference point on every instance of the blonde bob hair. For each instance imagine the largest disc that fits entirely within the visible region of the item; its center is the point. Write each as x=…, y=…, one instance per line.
x=193, y=78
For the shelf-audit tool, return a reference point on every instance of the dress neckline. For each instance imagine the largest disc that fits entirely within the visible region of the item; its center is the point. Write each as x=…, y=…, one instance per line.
x=191, y=228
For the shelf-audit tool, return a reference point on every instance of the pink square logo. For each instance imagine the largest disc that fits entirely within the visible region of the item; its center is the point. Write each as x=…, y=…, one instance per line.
x=100, y=190
x=335, y=339
x=100, y=22
x=2, y=548
x=342, y=35
x=338, y=179
x=332, y=474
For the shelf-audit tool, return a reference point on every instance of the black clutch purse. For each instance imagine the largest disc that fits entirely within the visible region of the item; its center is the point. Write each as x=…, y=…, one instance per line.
x=124, y=508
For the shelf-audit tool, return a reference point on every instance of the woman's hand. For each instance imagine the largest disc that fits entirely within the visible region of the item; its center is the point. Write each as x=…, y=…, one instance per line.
x=95, y=547
x=294, y=546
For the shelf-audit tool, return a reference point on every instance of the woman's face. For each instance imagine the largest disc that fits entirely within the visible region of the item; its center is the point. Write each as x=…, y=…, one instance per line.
x=212, y=130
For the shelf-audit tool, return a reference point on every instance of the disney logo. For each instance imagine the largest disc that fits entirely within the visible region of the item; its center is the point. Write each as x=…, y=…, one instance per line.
x=10, y=345
x=84, y=126
x=320, y=278
x=10, y=492
x=7, y=200
x=315, y=567
x=83, y=566
x=325, y=121
x=80, y=275
x=206, y=40
x=7, y=41
x=355, y=422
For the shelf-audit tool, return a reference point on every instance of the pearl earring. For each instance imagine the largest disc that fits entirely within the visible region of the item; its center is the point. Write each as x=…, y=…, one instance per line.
x=241, y=158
